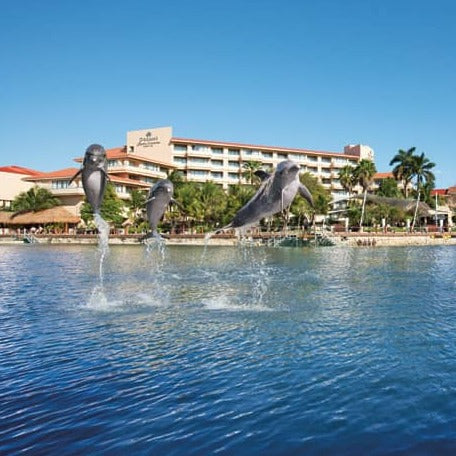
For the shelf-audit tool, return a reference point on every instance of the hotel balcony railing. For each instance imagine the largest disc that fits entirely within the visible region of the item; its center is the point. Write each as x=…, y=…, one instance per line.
x=199, y=153
x=197, y=165
x=138, y=170
x=65, y=191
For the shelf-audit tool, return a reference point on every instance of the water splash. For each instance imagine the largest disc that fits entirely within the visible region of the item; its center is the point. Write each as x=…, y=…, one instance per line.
x=103, y=241
x=156, y=245
x=98, y=299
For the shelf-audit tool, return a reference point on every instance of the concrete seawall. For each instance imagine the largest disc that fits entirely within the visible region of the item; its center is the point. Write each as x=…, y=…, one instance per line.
x=340, y=239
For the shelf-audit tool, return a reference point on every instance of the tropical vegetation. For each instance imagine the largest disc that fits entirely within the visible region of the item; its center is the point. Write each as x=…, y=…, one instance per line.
x=409, y=168
x=34, y=199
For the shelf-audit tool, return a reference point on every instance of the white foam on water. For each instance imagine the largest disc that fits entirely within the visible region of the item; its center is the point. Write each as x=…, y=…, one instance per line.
x=122, y=299
x=226, y=303
x=98, y=300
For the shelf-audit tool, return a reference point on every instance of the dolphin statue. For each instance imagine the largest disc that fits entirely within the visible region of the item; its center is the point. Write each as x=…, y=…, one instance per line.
x=275, y=194
x=94, y=175
x=160, y=196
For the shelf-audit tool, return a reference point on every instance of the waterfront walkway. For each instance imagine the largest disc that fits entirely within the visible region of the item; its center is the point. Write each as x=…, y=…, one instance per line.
x=272, y=239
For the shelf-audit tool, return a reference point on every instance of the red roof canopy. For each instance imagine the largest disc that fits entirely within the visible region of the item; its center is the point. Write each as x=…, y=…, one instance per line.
x=14, y=169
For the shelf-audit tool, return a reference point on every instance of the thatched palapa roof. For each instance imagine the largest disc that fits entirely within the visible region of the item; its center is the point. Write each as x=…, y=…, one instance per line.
x=52, y=215
x=406, y=205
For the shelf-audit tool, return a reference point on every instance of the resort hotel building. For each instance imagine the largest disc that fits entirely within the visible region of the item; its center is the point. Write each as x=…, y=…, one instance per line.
x=151, y=154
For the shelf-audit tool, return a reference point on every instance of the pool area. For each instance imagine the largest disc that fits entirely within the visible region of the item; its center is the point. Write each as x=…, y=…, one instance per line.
x=227, y=350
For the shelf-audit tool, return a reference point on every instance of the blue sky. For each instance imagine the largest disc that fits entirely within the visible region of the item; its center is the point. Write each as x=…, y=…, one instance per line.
x=311, y=74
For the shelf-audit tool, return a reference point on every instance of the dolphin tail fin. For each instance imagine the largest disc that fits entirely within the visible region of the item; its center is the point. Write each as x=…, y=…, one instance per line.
x=154, y=235
x=75, y=176
x=226, y=227
x=219, y=231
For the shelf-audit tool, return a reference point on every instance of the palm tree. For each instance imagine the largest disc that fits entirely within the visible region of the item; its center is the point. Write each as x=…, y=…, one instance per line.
x=34, y=199
x=421, y=169
x=249, y=167
x=364, y=174
x=347, y=179
x=136, y=205
x=403, y=169
x=176, y=177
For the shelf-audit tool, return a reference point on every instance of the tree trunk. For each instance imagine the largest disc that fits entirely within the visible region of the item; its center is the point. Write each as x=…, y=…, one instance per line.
x=362, y=210
x=416, y=209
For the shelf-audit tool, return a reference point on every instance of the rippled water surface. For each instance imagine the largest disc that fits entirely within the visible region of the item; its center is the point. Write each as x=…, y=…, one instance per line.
x=238, y=351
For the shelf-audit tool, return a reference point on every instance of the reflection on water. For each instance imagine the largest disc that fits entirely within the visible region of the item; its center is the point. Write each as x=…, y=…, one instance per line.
x=231, y=350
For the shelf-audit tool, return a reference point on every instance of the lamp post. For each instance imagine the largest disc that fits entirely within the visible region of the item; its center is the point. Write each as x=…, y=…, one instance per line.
x=436, y=223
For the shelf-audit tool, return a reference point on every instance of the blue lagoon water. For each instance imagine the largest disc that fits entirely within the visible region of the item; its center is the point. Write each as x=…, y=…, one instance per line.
x=241, y=351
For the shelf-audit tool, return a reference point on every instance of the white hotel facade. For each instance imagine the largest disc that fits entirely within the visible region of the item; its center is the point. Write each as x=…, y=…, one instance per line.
x=222, y=162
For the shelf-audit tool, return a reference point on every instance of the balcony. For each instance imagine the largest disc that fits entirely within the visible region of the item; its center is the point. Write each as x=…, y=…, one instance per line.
x=136, y=170
x=198, y=165
x=199, y=152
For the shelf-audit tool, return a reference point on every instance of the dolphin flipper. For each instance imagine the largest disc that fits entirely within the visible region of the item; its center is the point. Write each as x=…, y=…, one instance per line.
x=304, y=192
x=75, y=176
x=105, y=174
x=263, y=175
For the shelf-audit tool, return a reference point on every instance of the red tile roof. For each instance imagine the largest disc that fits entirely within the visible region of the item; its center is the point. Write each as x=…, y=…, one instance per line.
x=439, y=191
x=60, y=173
x=19, y=170
x=260, y=147
x=383, y=175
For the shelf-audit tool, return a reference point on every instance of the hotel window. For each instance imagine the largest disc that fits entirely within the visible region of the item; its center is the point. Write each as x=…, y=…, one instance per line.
x=282, y=156
x=233, y=176
x=198, y=173
x=57, y=184
x=233, y=152
x=251, y=153
x=339, y=161
x=119, y=188
x=312, y=159
x=149, y=180
x=199, y=148
x=150, y=167
x=217, y=162
x=325, y=160
x=180, y=148
x=202, y=161
x=217, y=150
x=233, y=164
x=266, y=154
x=217, y=175
x=312, y=169
x=180, y=160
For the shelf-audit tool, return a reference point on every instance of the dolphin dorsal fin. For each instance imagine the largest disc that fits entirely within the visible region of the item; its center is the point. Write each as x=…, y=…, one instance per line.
x=263, y=175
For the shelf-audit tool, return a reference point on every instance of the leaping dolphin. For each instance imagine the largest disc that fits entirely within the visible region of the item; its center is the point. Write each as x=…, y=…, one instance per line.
x=94, y=175
x=275, y=194
x=160, y=196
